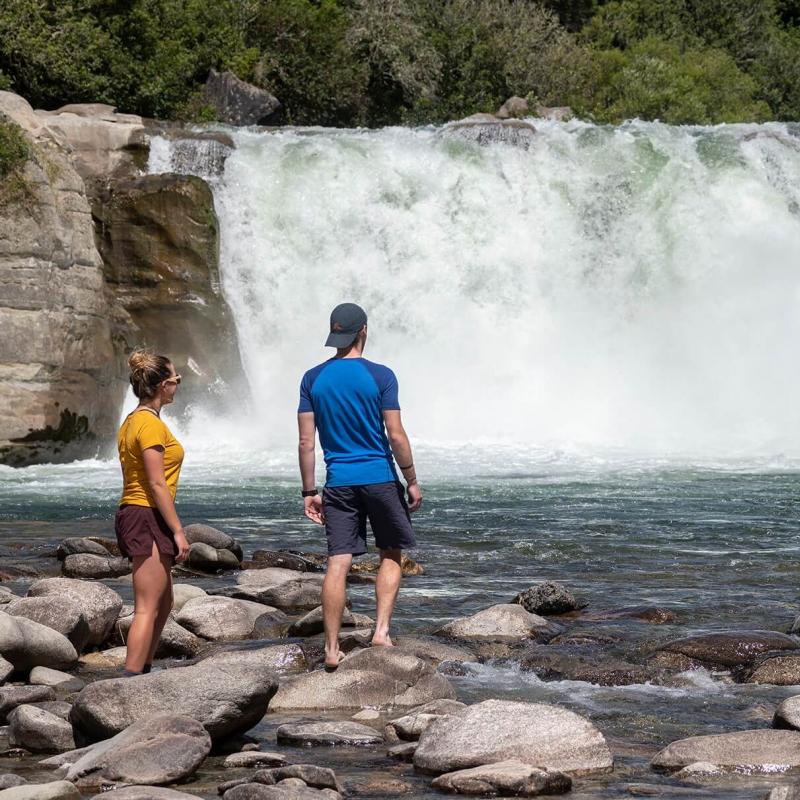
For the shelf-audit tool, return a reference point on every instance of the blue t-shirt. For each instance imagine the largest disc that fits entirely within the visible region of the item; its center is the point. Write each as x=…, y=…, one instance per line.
x=348, y=397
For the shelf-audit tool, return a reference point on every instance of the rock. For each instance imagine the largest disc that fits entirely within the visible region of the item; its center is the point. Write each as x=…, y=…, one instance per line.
x=546, y=598
x=75, y=545
x=282, y=588
x=514, y=108
x=434, y=650
x=99, y=604
x=309, y=774
x=144, y=793
x=542, y=735
x=283, y=659
x=156, y=750
x=240, y=103
x=159, y=239
x=175, y=642
x=412, y=725
x=59, y=613
x=6, y=670
x=254, y=759
x=91, y=567
x=311, y=623
x=780, y=670
x=404, y=751
x=557, y=113
x=59, y=708
x=281, y=558
x=59, y=365
x=730, y=648
x=784, y=793
x=39, y=731
x=486, y=129
x=198, y=533
x=757, y=751
x=269, y=577
x=697, y=772
x=787, y=714
x=7, y=596
x=376, y=677
x=257, y=791
x=306, y=734
x=44, y=676
x=653, y=615
x=10, y=780
x=112, y=658
x=227, y=697
x=55, y=790
x=13, y=696
x=511, y=778
x=182, y=592
x=27, y=644
x=549, y=663
x=210, y=559
x=372, y=563
x=505, y=622
x=223, y=619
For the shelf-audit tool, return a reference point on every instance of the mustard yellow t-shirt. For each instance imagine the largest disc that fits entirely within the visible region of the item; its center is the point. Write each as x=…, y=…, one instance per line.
x=141, y=430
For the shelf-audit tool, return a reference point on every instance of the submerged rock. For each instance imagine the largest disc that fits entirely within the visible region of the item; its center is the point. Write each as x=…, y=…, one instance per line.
x=729, y=648
x=511, y=778
x=541, y=735
x=756, y=751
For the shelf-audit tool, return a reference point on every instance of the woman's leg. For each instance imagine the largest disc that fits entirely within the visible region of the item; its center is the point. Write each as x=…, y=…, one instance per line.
x=150, y=582
x=164, y=608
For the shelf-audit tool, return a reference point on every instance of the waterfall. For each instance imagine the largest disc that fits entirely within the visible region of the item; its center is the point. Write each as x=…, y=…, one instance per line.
x=626, y=289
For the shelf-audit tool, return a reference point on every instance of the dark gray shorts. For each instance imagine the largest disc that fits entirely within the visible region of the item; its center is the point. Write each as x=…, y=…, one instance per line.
x=347, y=509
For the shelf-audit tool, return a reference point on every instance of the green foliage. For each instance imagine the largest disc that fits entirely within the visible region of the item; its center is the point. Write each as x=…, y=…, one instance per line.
x=14, y=150
x=373, y=62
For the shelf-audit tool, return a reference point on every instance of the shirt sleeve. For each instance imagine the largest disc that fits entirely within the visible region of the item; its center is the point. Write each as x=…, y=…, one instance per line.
x=389, y=392
x=305, y=395
x=152, y=433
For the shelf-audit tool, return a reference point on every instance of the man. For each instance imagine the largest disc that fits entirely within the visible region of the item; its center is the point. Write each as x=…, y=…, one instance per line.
x=353, y=404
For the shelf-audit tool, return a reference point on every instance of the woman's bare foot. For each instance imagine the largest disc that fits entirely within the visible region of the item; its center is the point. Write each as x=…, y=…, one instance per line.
x=382, y=640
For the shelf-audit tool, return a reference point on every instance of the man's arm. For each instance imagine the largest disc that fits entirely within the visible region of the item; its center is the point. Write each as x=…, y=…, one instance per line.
x=305, y=451
x=401, y=448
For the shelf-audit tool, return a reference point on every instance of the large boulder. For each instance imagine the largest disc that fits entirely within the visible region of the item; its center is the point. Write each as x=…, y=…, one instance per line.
x=159, y=239
x=27, y=644
x=766, y=751
x=175, y=641
x=227, y=697
x=198, y=533
x=39, y=731
x=59, y=613
x=286, y=589
x=238, y=103
x=543, y=736
x=377, y=677
x=505, y=622
x=60, y=370
x=223, y=619
x=99, y=604
x=156, y=750
x=511, y=778
x=93, y=567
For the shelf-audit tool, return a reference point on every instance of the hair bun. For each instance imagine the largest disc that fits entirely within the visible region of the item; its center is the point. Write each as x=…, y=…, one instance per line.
x=140, y=360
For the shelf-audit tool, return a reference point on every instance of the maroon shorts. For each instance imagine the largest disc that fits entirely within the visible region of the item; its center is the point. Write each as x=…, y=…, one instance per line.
x=137, y=527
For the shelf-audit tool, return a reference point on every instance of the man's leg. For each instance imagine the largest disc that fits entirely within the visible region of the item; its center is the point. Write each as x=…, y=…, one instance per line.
x=334, y=597
x=386, y=588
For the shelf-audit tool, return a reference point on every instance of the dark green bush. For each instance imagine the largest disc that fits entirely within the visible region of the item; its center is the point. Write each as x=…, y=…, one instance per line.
x=13, y=148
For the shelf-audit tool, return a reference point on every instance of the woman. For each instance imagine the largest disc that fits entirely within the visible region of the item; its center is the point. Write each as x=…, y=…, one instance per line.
x=147, y=525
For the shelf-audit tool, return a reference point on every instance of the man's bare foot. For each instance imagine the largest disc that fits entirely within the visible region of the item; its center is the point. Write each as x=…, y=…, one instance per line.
x=332, y=663
x=382, y=641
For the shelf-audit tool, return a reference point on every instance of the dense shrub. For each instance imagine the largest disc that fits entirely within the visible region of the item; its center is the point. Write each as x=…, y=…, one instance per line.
x=13, y=148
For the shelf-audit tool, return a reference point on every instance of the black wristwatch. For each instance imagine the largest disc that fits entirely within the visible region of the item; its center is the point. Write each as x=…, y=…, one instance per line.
x=310, y=493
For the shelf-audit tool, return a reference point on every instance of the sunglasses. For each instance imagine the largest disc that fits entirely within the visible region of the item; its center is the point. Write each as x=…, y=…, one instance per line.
x=176, y=380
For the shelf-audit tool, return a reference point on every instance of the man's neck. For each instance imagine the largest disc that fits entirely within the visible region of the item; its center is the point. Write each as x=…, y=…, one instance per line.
x=354, y=351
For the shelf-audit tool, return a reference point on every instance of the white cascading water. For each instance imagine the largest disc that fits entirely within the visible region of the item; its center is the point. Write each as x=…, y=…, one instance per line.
x=610, y=290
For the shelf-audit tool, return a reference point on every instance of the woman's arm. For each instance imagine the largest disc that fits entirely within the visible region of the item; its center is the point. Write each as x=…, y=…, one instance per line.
x=153, y=458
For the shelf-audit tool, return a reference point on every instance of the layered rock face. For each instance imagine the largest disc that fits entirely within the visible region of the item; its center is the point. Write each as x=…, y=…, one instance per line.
x=96, y=259
x=59, y=368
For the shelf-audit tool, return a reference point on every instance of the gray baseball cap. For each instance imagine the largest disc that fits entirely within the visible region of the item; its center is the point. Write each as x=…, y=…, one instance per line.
x=347, y=319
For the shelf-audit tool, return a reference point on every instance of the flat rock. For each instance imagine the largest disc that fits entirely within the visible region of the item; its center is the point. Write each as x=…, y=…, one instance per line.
x=541, y=735
x=549, y=662
x=300, y=594
x=327, y=733
x=254, y=759
x=59, y=613
x=44, y=676
x=376, y=677
x=112, y=658
x=412, y=725
x=55, y=790
x=403, y=751
x=757, y=751
x=309, y=774
x=39, y=731
x=223, y=619
x=284, y=559
x=434, y=650
x=311, y=623
x=206, y=558
x=13, y=696
x=27, y=644
x=511, y=778
x=227, y=697
x=9, y=780
x=175, y=641
x=283, y=659
x=99, y=604
x=258, y=791
x=730, y=648
x=157, y=750
x=779, y=670
x=92, y=567
x=181, y=592
x=505, y=622
x=80, y=544
x=547, y=598
x=144, y=793
x=652, y=615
